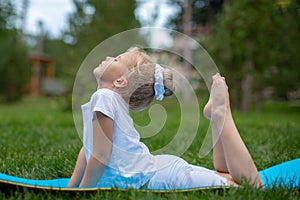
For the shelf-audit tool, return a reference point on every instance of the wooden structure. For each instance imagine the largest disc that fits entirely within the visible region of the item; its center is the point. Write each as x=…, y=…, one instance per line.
x=43, y=68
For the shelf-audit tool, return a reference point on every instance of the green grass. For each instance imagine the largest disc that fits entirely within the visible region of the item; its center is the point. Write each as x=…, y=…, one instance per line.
x=39, y=141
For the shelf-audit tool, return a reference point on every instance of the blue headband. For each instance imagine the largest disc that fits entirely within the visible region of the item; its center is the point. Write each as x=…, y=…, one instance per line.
x=159, y=84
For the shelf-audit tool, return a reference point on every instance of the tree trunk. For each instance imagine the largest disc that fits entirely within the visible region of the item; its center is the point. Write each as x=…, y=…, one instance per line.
x=258, y=101
x=186, y=50
x=227, y=2
x=246, y=84
x=187, y=30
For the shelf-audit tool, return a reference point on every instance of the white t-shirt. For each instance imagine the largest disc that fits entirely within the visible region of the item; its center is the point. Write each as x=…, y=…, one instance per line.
x=131, y=164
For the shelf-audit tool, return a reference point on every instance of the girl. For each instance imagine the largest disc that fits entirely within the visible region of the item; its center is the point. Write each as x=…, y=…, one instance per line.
x=112, y=154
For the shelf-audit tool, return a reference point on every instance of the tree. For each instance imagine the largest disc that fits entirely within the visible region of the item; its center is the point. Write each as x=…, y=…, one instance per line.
x=246, y=44
x=14, y=62
x=94, y=21
x=203, y=12
x=250, y=44
x=91, y=23
x=285, y=76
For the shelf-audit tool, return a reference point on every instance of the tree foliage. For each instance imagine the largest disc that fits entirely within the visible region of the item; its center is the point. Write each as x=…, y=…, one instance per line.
x=96, y=20
x=253, y=41
x=92, y=22
x=14, y=61
x=203, y=12
x=285, y=75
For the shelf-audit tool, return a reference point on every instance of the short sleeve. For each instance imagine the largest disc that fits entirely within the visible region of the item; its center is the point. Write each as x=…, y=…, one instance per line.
x=103, y=101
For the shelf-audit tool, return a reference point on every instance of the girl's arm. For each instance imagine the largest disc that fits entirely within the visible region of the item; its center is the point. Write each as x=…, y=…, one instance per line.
x=102, y=145
x=79, y=170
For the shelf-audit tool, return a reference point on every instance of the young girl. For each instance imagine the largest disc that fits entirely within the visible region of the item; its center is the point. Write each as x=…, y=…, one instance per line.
x=112, y=154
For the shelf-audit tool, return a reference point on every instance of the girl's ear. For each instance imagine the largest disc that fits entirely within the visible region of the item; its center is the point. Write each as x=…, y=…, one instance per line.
x=120, y=82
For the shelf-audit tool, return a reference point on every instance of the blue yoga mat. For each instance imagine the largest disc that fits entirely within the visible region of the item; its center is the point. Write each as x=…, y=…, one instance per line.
x=286, y=174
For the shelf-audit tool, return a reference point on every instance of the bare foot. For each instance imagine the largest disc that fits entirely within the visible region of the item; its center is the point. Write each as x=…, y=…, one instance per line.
x=207, y=108
x=218, y=97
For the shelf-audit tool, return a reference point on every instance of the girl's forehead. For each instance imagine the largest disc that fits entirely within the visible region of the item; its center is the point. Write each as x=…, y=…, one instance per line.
x=125, y=55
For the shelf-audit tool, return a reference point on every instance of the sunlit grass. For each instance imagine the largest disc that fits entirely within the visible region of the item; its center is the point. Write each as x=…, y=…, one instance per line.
x=39, y=141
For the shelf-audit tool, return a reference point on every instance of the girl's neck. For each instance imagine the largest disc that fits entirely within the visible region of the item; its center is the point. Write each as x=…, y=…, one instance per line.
x=105, y=85
x=110, y=86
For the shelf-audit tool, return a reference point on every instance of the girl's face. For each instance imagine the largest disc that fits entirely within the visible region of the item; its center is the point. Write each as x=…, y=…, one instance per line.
x=112, y=68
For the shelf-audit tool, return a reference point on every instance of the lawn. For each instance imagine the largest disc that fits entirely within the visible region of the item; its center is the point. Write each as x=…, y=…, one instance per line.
x=39, y=141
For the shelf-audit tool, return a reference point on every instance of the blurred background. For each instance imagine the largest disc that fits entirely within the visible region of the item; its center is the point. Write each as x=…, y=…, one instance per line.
x=255, y=43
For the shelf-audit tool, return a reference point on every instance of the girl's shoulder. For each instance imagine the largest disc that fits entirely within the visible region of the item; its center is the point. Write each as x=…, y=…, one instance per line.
x=106, y=95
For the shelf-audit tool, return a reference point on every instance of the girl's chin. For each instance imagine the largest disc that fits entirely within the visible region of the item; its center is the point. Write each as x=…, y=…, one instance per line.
x=97, y=72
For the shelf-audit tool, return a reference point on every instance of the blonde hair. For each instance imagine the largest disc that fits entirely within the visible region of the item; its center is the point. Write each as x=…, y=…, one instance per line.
x=140, y=88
